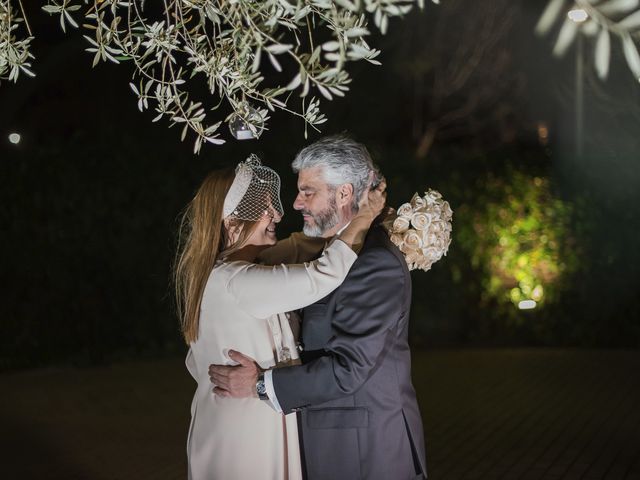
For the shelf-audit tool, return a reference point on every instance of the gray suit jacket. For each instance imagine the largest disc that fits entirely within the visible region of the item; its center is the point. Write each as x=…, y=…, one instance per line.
x=359, y=415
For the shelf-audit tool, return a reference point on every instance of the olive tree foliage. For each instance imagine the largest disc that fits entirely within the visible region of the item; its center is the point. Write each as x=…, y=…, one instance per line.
x=225, y=44
x=15, y=56
x=606, y=21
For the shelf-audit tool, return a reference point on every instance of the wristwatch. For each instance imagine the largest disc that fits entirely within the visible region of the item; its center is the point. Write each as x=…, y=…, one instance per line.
x=261, y=388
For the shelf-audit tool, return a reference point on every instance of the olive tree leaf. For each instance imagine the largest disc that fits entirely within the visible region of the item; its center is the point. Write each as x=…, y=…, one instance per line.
x=630, y=22
x=549, y=16
x=603, y=53
x=631, y=55
x=565, y=38
x=618, y=6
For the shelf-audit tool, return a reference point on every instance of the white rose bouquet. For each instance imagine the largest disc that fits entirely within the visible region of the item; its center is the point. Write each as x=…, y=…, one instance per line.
x=421, y=229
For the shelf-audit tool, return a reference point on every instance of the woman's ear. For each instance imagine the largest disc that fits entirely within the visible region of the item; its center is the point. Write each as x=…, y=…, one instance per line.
x=232, y=226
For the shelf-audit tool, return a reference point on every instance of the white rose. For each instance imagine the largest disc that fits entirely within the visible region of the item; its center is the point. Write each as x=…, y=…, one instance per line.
x=439, y=245
x=435, y=211
x=412, y=239
x=433, y=194
x=448, y=213
x=396, y=239
x=405, y=249
x=436, y=228
x=400, y=225
x=421, y=221
x=424, y=265
x=405, y=210
x=417, y=201
x=412, y=257
x=428, y=239
x=431, y=254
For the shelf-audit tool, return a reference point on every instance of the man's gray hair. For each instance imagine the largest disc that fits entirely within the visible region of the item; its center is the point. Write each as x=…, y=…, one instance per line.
x=342, y=160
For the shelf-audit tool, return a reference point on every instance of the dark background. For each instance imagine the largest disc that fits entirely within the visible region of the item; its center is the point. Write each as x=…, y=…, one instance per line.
x=91, y=196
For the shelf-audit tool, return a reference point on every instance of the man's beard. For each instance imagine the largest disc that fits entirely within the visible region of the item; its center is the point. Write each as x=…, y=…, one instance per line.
x=323, y=221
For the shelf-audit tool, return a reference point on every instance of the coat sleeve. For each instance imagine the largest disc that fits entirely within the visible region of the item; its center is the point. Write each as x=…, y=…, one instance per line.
x=263, y=290
x=369, y=306
x=296, y=248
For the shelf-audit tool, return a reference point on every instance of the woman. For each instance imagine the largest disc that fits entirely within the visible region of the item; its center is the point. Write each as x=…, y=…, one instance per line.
x=228, y=301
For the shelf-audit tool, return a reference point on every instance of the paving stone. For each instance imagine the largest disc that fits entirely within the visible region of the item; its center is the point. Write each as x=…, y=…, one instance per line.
x=528, y=414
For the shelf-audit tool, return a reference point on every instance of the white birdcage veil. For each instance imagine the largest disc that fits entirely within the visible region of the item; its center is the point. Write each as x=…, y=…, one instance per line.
x=255, y=190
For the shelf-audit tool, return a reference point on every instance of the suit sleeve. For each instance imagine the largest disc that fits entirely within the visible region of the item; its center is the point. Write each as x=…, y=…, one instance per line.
x=367, y=313
x=262, y=291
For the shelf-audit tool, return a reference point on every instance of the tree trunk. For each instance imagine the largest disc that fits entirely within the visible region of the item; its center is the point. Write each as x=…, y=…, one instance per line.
x=426, y=141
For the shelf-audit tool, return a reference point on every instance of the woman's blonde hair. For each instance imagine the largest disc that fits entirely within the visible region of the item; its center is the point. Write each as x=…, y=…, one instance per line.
x=203, y=238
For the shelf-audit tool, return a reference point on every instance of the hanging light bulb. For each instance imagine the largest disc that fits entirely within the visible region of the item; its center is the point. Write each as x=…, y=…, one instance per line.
x=578, y=15
x=246, y=123
x=527, y=304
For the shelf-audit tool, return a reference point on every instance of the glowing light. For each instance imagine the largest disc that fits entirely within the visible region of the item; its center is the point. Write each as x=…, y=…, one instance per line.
x=247, y=124
x=537, y=293
x=15, y=138
x=543, y=133
x=527, y=304
x=578, y=15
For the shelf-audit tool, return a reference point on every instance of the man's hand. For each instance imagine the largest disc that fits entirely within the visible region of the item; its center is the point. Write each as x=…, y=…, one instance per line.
x=237, y=381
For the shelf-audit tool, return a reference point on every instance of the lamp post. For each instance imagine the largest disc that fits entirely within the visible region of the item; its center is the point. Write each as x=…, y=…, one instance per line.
x=579, y=96
x=579, y=16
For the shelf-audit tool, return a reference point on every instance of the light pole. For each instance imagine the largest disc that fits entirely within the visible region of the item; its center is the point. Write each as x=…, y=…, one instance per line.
x=579, y=96
x=578, y=16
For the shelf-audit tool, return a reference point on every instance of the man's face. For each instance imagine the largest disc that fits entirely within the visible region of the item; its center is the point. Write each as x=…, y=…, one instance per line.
x=317, y=202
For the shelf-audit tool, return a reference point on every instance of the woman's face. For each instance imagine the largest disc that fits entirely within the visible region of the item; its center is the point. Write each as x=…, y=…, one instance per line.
x=265, y=231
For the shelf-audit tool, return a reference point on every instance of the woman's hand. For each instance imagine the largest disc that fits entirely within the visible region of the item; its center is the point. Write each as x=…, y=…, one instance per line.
x=373, y=203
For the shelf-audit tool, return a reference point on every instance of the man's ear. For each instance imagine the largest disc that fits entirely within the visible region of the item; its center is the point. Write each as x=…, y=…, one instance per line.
x=344, y=194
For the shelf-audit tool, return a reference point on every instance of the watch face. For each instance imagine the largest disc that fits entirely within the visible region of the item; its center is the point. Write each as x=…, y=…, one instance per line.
x=260, y=386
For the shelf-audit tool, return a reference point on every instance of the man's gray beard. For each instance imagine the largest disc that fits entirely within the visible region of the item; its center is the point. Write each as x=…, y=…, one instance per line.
x=323, y=221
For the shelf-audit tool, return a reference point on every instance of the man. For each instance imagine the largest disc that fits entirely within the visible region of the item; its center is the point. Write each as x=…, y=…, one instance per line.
x=359, y=417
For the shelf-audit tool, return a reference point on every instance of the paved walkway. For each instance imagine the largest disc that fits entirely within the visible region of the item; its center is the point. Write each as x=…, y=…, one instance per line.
x=488, y=414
